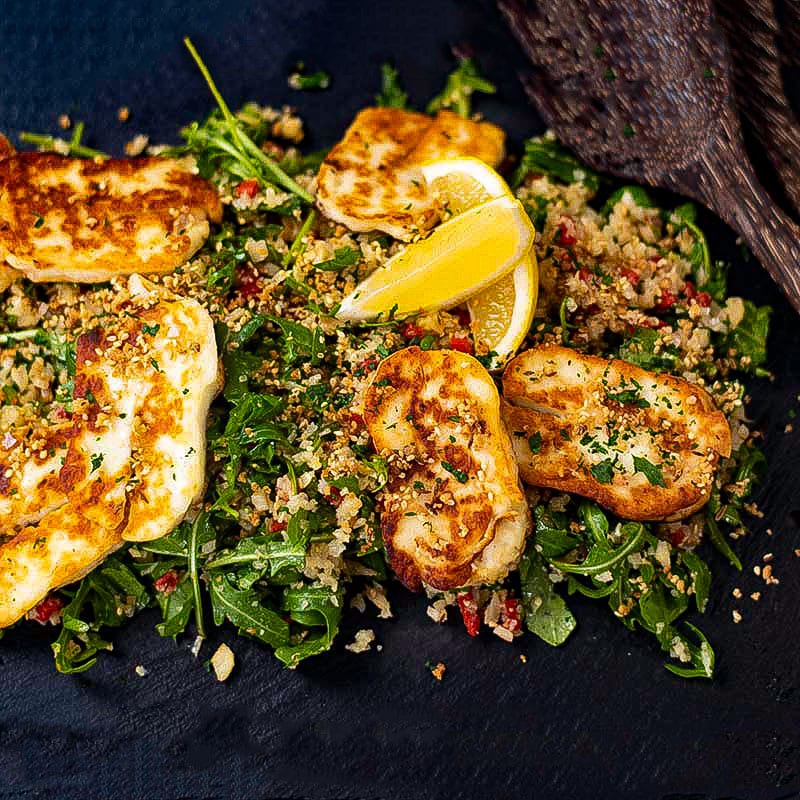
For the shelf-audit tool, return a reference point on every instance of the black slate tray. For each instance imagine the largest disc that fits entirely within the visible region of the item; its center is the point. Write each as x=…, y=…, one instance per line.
x=598, y=718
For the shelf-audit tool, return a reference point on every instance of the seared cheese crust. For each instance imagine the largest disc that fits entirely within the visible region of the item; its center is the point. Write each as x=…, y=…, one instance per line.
x=453, y=513
x=644, y=445
x=73, y=219
x=371, y=179
x=130, y=461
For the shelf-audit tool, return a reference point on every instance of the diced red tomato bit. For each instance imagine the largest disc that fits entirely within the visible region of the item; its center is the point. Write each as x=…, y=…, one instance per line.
x=584, y=274
x=632, y=276
x=369, y=364
x=463, y=316
x=469, y=613
x=248, y=281
x=410, y=330
x=566, y=232
x=678, y=535
x=276, y=526
x=462, y=344
x=666, y=300
x=49, y=610
x=650, y=322
x=511, y=613
x=334, y=496
x=247, y=188
x=690, y=290
x=703, y=299
x=357, y=418
x=167, y=582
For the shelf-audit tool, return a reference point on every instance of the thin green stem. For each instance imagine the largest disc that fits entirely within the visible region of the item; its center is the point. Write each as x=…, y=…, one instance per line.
x=244, y=143
x=298, y=245
x=195, y=577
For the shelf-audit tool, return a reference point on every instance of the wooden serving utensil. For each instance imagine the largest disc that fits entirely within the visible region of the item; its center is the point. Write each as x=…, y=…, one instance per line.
x=643, y=90
x=753, y=30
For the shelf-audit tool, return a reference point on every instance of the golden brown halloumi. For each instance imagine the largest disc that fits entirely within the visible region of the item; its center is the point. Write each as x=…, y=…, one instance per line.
x=371, y=179
x=453, y=513
x=129, y=462
x=73, y=219
x=643, y=445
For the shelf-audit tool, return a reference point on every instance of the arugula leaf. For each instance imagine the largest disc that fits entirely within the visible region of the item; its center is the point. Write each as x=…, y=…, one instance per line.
x=651, y=471
x=639, y=196
x=228, y=140
x=299, y=343
x=709, y=277
x=546, y=611
x=701, y=578
x=246, y=610
x=176, y=608
x=391, y=94
x=749, y=338
x=314, y=80
x=311, y=606
x=552, y=536
x=113, y=593
x=602, y=557
x=702, y=657
x=342, y=257
x=639, y=349
x=459, y=88
x=545, y=156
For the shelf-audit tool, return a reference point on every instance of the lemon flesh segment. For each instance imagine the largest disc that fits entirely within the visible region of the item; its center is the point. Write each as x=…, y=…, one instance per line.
x=462, y=183
x=502, y=314
x=459, y=259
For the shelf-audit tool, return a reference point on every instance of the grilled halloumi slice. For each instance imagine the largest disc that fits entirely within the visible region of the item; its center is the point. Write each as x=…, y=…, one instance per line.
x=371, y=180
x=453, y=513
x=643, y=445
x=73, y=219
x=129, y=463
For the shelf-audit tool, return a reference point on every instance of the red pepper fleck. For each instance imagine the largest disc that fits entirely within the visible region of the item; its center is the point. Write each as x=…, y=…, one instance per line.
x=463, y=316
x=334, y=496
x=248, y=281
x=247, y=188
x=461, y=344
x=410, y=330
x=566, y=227
x=369, y=364
x=632, y=275
x=704, y=299
x=650, y=322
x=678, y=535
x=469, y=613
x=167, y=582
x=276, y=526
x=666, y=300
x=512, y=622
x=49, y=610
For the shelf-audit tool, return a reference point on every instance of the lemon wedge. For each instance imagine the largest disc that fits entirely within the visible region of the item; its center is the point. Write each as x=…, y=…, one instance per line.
x=501, y=314
x=460, y=258
x=463, y=183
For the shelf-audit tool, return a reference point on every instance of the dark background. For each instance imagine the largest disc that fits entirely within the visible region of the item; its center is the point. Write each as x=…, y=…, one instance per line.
x=598, y=718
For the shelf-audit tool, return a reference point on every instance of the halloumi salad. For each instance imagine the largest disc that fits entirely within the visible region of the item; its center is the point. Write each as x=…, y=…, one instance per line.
x=249, y=385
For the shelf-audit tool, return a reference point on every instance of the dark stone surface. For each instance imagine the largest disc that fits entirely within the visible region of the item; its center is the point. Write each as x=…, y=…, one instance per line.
x=599, y=718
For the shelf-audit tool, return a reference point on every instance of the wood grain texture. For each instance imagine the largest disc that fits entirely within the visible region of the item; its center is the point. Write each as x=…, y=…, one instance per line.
x=642, y=90
x=753, y=31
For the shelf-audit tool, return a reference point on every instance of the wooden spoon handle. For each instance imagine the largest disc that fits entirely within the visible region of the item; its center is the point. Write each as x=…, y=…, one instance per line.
x=727, y=184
